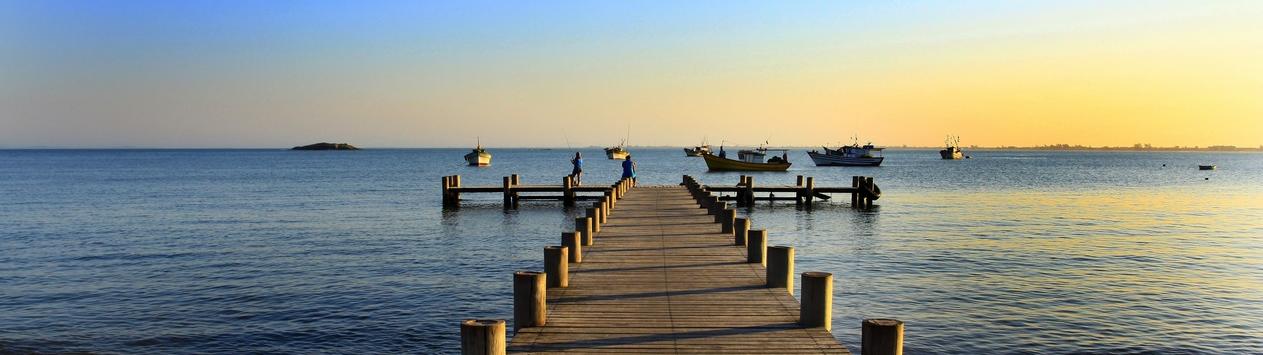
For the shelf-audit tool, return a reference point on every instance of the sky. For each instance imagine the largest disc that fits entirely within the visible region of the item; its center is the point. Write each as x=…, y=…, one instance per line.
x=229, y=73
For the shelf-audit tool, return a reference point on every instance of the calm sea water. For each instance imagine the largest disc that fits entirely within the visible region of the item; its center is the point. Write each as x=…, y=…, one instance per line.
x=199, y=251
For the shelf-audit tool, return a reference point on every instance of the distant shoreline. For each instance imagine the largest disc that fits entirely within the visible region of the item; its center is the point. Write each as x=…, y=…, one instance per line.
x=972, y=148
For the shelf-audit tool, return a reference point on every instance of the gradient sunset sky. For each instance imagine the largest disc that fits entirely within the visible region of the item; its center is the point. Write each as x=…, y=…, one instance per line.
x=541, y=73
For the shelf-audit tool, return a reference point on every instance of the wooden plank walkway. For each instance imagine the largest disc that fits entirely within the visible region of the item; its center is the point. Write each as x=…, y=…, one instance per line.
x=660, y=278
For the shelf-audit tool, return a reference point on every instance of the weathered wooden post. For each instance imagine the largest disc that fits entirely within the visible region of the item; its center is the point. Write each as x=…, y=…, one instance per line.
x=868, y=194
x=516, y=181
x=809, y=193
x=447, y=186
x=557, y=266
x=454, y=191
x=881, y=337
x=567, y=191
x=816, y=309
x=855, y=196
x=741, y=228
x=508, y=192
x=482, y=337
x=594, y=216
x=713, y=205
x=572, y=241
x=798, y=194
x=749, y=191
x=756, y=247
x=729, y=219
x=529, y=297
x=455, y=180
x=719, y=211
x=601, y=211
x=780, y=268
x=741, y=193
x=583, y=226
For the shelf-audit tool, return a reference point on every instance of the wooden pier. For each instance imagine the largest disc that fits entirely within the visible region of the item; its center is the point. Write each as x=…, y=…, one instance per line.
x=669, y=270
x=513, y=191
x=862, y=190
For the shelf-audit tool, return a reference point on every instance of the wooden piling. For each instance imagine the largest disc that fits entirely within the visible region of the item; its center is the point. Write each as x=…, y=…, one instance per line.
x=447, y=187
x=567, y=191
x=583, y=227
x=516, y=181
x=855, y=196
x=728, y=220
x=455, y=180
x=756, y=247
x=816, y=308
x=574, y=244
x=740, y=231
x=557, y=266
x=601, y=211
x=749, y=191
x=508, y=192
x=881, y=337
x=809, y=193
x=719, y=211
x=529, y=297
x=482, y=337
x=868, y=188
x=594, y=216
x=780, y=268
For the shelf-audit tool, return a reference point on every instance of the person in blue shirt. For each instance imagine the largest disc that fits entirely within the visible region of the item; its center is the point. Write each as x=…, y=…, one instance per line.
x=577, y=172
x=629, y=168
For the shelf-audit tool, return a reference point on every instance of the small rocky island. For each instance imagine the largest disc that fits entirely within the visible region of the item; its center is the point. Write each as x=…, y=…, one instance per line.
x=327, y=146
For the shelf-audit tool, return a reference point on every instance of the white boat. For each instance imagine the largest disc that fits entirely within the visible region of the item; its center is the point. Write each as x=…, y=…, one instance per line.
x=616, y=153
x=853, y=155
x=951, y=150
x=478, y=157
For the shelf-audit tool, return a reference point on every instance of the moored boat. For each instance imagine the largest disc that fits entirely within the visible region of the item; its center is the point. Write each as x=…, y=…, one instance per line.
x=697, y=151
x=951, y=150
x=478, y=157
x=616, y=153
x=716, y=163
x=1205, y=167
x=853, y=155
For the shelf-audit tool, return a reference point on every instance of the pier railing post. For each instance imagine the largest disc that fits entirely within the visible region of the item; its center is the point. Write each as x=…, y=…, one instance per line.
x=572, y=241
x=780, y=268
x=583, y=227
x=529, y=297
x=740, y=230
x=868, y=189
x=567, y=191
x=881, y=337
x=799, y=195
x=749, y=191
x=816, y=308
x=601, y=211
x=809, y=193
x=594, y=216
x=508, y=192
x=447, y=195
x=482, y=337
x=855, y=196
x=726, y=224
x=719, y=211
x=756, y=247
x=557, y=266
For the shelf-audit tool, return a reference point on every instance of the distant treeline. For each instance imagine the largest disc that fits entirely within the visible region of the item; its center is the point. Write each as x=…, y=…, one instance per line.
x=1136, y=147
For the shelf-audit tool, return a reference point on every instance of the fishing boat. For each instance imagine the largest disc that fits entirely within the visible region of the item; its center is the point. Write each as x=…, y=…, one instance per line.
x=617, y=152
x=951, y=150
x=1205, y=167
x=715, y=163
x=478, y=157
x=852, y=155
x=698, y=150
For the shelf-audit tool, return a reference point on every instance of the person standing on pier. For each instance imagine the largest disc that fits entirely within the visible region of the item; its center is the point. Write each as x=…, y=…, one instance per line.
x=577, y=172
x=629, y=168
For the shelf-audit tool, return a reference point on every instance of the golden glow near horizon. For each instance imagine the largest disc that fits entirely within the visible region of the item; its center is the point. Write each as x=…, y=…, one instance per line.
x=997, y=74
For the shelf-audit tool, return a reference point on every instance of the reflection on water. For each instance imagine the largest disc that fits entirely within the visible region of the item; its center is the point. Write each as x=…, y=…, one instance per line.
x=278, y=251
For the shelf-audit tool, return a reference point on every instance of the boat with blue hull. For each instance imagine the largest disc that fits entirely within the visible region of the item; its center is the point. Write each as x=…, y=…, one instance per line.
x=853, y=155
